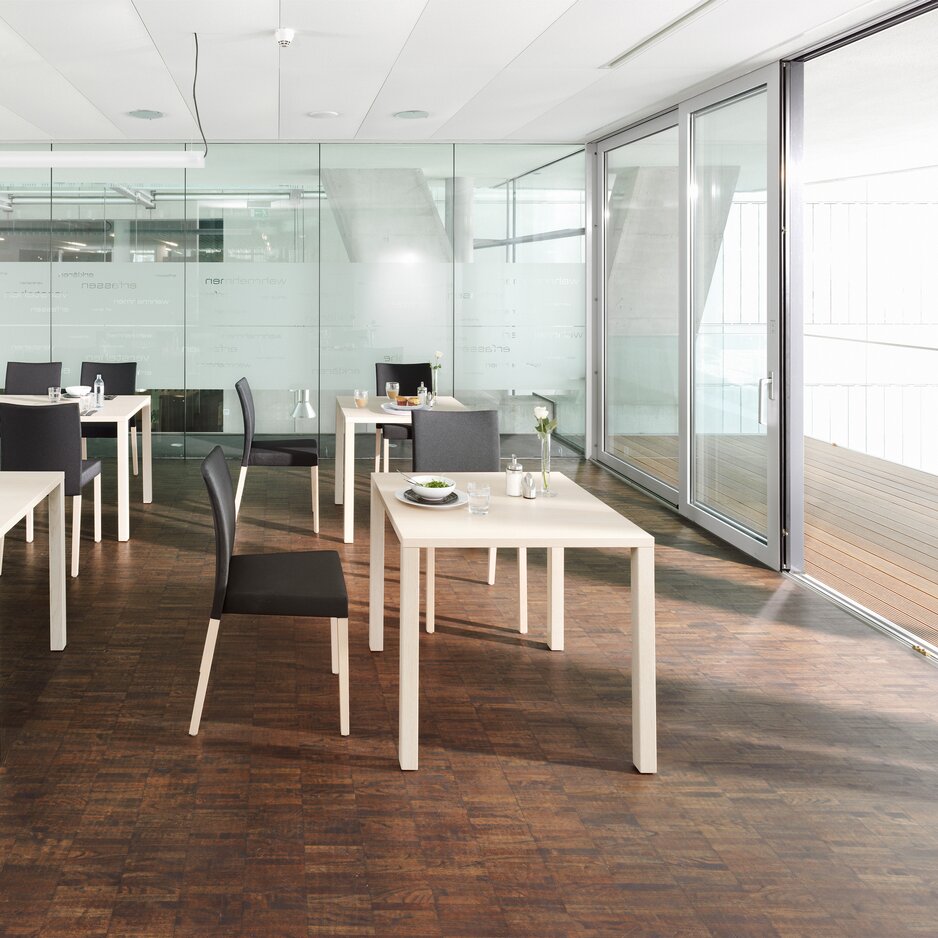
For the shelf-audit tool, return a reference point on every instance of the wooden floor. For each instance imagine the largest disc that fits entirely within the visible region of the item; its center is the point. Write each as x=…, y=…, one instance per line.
x=798, y=750
x=871, y=526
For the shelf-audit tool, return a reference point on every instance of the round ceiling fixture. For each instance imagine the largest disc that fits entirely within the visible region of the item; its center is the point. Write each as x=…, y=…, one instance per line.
x=323, y=115
x=411, y=115
x=145, y=114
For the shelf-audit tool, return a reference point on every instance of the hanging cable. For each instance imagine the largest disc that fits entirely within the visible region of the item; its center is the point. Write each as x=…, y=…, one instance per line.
x=195, y=100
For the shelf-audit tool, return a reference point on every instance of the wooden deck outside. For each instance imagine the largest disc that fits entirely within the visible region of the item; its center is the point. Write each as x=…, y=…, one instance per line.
x=871, y=526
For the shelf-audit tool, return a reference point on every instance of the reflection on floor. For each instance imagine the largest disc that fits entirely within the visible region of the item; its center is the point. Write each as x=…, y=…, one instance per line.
x=798, y=749
x=871, y=526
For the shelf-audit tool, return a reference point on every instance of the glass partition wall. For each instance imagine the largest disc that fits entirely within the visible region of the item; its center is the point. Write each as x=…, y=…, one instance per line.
x=300, y=266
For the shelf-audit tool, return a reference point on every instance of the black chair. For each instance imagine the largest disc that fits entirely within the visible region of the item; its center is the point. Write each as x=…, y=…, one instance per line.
x=292, y=451
x=409, y=378
x=118, y=378
x=302, y=583
x=463, y=441
x=32, y=377
x=47, y=437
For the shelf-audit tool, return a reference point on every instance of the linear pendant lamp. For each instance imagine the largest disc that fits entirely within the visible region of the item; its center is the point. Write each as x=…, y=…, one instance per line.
x=114, y=159
x=101, y=159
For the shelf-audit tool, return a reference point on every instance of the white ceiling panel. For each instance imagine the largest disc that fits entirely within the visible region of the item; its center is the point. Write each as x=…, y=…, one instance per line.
x=70, y=70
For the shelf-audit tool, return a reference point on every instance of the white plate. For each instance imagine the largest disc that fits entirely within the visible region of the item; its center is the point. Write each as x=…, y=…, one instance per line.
x=462, y=499
x=390, y=408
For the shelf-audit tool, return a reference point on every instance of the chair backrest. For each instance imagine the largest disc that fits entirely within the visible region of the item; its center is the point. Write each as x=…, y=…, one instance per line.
x=456, y=441
x=42, y=438
x=407, y=376
x=32, y=377
x=247, y=413
x=118, y=377
x=221, y=494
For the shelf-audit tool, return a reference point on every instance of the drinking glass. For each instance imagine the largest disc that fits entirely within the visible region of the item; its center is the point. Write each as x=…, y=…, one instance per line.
x=361, y=398
x=55, y=395
x=392, y=389
x=480, y=494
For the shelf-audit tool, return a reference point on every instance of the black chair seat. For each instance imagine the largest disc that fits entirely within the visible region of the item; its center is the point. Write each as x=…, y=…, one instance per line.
x=305, y=583
x=396, y=431
x=89, y=469
x=294, y=451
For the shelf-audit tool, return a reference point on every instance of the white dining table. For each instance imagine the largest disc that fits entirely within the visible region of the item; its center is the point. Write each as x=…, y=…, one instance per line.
x=118, y=411
x=20, y=493
x=574, y=518
x=347, y=417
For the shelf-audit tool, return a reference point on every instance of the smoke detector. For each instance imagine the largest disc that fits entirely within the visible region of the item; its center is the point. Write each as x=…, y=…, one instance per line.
x=284, y=36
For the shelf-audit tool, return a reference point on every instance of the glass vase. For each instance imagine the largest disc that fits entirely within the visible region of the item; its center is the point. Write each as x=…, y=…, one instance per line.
x=434, y=385
x=545, y=463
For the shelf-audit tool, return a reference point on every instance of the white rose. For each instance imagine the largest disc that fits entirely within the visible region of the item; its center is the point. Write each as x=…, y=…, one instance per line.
x=439, y=355
x=540, y=413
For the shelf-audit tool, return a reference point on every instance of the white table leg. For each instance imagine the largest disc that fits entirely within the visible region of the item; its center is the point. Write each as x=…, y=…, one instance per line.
x=644, y=717
x=523, y=590
x=430, y=614
x=146, y=428
x=339, y=452
x=410, y=658
x=348, y=484
x=57, y=637
x=123, y=483
x=555, y=598
x=376, y=574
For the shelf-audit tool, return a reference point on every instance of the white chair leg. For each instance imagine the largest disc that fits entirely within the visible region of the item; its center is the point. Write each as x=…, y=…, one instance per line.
x=208, y=652
x=431, y=590
x=492, y=554
x=97, y=508
x=377, y=450
x=29, y=526
x=314, y=494
x=241, y=477
x=1, y=555
x=387, y=453
x=523, y=590
x=133, y=449
x=343, y=676
x=84, y=448
x=76, y=532
x=334, y=644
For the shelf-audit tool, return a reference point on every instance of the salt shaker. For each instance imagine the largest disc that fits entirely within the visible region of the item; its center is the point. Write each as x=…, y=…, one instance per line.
x=513, y=477
x=528, y=486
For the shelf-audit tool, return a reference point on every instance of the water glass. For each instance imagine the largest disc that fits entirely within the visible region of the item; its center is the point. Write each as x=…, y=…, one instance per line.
x=361, y=397
x=392, y=389
x=480, y=494
x=55, y=395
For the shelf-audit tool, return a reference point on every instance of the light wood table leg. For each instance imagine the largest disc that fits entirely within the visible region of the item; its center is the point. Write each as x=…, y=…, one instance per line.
x=555, y=598
x=376, y=574
x=146, y=428
x=644, y=716
x=57, y=631
x=339, y=452
x=410, y=658
x=348, y=484
x=123, y=483
x=430, y=605
x=523, y=590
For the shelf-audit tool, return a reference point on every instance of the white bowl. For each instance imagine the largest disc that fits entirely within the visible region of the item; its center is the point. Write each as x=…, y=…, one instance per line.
x=77, y=390
x=418, y=484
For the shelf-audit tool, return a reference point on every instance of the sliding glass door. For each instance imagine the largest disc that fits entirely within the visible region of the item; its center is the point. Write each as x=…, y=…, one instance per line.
x=641, y=260
x=732, y=314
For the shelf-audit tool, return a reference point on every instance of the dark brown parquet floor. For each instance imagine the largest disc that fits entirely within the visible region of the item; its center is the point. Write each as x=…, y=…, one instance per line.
x=798, y=749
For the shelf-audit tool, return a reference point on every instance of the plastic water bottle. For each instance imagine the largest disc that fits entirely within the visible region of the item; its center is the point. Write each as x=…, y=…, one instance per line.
x=98, y=392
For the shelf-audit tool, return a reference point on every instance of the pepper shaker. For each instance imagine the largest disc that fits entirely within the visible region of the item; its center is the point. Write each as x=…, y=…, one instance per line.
x=528, y=486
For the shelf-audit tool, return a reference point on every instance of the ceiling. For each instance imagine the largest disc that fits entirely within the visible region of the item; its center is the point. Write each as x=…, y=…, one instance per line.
x=485, y=70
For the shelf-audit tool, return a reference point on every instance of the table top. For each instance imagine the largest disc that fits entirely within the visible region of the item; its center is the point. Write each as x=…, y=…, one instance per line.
x=120, y=407
x=20, y=491
x=574, y=518
x=374, y=414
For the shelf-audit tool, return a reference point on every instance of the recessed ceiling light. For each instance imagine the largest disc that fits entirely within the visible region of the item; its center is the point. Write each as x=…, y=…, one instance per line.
x=145, y=114
x=323, y=115
x=411, y=115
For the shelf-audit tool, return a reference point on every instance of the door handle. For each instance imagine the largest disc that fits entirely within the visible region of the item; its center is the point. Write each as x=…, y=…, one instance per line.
x=766, y=394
